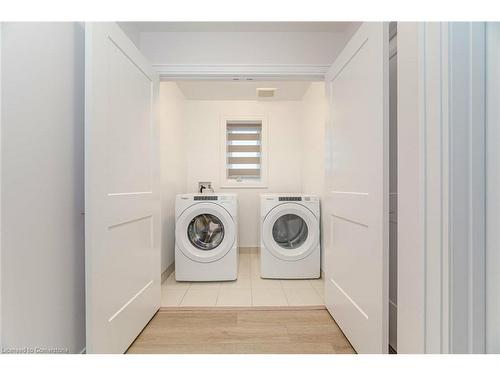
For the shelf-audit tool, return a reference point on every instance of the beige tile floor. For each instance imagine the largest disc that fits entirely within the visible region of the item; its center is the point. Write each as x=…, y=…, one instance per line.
x=248, y=290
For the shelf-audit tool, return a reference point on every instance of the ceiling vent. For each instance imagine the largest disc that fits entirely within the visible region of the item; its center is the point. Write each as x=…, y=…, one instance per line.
x=266, y=92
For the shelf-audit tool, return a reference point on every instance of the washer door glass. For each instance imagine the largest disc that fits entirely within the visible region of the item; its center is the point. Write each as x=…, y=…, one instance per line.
x=290, y=231
x=205, y=232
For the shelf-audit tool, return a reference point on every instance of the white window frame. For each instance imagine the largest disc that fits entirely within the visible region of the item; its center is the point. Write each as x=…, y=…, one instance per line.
x=227, y=183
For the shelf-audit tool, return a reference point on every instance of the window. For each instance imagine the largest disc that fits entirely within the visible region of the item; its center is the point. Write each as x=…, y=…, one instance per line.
x=243, y=153
x=243, y=150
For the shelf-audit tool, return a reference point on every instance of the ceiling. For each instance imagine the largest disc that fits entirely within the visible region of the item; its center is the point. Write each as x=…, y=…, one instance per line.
x=238, y=90
x=240, y=26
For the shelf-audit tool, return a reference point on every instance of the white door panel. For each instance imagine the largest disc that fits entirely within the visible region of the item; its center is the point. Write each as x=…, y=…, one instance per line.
x=121, y=190
x=357, y=198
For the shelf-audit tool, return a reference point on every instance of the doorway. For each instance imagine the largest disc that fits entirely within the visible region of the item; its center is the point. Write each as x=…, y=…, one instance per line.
x=194, y=131
x=356, y=206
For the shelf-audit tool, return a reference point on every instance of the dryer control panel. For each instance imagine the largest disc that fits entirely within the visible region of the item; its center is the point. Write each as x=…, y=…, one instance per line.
x=298, y=199
x=290, y=199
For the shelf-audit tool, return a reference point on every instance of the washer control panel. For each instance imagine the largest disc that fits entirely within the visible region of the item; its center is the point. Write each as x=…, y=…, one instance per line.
x=205, y=198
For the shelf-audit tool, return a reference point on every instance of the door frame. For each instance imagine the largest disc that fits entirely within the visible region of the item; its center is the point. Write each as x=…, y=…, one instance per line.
x=441, y=209
x=492, y=188
x=1, y=196
x=279, y=72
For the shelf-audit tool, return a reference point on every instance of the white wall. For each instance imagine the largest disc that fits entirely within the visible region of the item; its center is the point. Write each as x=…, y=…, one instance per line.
x=42, y=228
x=247, y=48
x=1, y=320
x=411, y=245
x=441, y=206
x=173, y=163
x=422, y=189
x=132, y=31
x=284, y=153
x=492, y=188
x=1, y=247
x=466, y=260
x=314, y=107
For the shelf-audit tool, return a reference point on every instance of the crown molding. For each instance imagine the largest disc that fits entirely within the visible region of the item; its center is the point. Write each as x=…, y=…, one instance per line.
x=241, y=72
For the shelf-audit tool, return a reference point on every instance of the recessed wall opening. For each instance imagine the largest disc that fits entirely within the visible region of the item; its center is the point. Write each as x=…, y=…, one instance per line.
x=246, y=138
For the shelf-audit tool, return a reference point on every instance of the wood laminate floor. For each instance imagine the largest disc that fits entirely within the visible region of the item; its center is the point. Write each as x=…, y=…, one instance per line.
x=243, y=332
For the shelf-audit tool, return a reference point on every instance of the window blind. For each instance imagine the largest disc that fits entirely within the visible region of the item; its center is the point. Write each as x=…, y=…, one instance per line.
x=243, y=147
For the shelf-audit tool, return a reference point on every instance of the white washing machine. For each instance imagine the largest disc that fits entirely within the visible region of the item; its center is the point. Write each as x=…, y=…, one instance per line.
x=206, y=237
x=290, y=236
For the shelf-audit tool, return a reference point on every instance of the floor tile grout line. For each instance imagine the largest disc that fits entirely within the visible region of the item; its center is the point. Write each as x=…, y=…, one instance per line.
x=253, y=287
x=286, y=297
x=182, y=299
x=316, y=290
x=217, y=298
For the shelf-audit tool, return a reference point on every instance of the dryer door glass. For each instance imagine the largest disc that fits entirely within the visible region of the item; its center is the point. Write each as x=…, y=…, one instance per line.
x=205, y=232
x=290, y=231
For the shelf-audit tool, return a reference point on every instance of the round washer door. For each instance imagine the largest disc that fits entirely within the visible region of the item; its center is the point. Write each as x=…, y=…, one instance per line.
x=205, y=232
x=290, y=231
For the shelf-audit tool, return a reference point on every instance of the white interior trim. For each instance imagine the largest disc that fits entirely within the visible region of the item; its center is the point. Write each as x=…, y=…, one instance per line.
x=411, y=173
x=435, y=128
x=467, y=187
x=255, y=72
x=1, y=320
x=441, y=104
x=422, y=196
x=492, y=188
x=393, y=50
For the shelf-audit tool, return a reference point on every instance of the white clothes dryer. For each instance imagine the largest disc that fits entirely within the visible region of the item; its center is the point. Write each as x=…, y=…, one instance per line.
x=290, y=236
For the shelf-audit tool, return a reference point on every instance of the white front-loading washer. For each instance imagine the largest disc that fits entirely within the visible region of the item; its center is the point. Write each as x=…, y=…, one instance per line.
x=206, y=237
x=290, y=236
